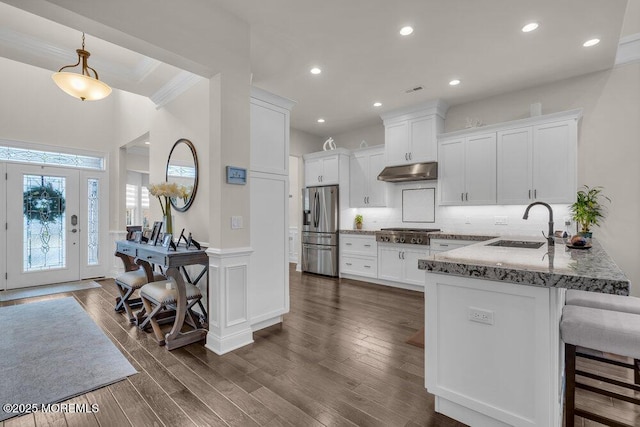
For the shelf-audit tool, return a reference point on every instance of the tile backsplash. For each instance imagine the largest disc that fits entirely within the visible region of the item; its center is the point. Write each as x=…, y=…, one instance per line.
x=493, y=219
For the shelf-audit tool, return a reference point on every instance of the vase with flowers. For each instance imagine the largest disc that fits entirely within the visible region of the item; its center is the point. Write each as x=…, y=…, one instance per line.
x=165, y=191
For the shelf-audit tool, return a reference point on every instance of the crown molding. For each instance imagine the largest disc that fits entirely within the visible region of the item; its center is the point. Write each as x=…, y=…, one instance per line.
x=628, y=49
x=174, y=88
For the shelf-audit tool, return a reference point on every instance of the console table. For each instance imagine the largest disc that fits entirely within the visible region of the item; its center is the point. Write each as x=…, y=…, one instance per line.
x=172, y=261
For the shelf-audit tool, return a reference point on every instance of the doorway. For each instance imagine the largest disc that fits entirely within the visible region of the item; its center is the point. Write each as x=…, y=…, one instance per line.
x=55, y=224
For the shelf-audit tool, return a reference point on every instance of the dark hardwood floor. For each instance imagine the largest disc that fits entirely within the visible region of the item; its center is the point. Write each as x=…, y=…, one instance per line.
x=340, y=358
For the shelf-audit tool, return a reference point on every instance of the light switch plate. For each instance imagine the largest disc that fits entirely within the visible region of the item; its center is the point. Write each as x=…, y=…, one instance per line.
x=236, y=222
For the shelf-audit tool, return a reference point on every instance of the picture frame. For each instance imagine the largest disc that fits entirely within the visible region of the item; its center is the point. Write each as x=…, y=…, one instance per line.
x=166, y=240
x=131, y=230
x=137, y=238
x=155, y=233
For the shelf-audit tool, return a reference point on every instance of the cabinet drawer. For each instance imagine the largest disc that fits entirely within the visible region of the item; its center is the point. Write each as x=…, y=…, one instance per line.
x=126, y=249
x=361, y=245
x=366, y=266
x=441, y=245
x=152, y=257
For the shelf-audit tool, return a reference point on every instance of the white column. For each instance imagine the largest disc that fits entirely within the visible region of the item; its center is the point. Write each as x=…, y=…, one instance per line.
x=229, y=322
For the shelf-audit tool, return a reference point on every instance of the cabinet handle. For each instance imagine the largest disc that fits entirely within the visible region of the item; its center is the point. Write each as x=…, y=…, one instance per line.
x=318, y=178
x=399, y=255
x=406, y=156
x=349, y=263
x=367, y=246
x=529, y=194
x=462, y=197
x=410, y=158
x=402, y=255
x=466, y=196
x=367, y=266
x=535, y=194
x=442, y=244
x=348, y=244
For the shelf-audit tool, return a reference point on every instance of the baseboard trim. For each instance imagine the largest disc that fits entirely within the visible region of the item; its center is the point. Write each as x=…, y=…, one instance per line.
x=229, y=343
x=407, y=286
x=266, y=323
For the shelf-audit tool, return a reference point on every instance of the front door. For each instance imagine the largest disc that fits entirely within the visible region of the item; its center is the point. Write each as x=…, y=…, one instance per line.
x=43, y=225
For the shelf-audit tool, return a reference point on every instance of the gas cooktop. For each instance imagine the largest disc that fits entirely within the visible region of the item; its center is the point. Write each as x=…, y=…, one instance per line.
x=415, y=236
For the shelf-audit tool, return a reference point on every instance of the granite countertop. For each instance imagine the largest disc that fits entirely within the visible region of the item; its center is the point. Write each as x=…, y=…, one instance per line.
x=361, y=232
x=459, y=236
x=584, y=269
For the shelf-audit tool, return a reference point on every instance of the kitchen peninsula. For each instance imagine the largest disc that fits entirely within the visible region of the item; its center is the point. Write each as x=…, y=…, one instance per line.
x=492, y=348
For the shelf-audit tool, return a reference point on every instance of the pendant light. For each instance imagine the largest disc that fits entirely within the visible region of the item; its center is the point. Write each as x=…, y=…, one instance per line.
x=82, y=85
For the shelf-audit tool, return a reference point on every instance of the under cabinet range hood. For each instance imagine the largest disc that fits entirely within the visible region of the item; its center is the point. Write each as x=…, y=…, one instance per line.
x=414, y=172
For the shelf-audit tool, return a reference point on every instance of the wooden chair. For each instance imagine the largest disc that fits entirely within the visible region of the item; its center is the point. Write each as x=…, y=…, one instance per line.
x=160, y=297
x=136, y=275
x=603, y=331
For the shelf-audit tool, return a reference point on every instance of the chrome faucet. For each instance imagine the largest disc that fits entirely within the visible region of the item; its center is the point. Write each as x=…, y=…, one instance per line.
x=550, y=240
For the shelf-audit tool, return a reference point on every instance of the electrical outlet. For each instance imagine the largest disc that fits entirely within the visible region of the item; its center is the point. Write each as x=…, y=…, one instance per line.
x=501, y=220
x=567, y=220
x=467, y=220
x=480, y=315
x=236, y=222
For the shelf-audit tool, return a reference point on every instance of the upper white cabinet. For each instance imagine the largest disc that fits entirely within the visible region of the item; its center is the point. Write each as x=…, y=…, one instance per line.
x=467, y=170
x=269, y=136
x=326, y=167
x=364, y=167
x=411, y=133
x=533, y=159
x=538, y=163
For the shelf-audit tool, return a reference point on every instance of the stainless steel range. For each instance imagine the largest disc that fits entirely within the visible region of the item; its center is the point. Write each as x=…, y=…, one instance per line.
x=413, y=236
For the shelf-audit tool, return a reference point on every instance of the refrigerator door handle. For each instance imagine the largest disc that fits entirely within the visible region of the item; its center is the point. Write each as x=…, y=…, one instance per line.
x=317, y=222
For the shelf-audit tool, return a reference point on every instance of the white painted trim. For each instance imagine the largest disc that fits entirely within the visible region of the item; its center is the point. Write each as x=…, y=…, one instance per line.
x=320, y=154
x=228, y=252
x=437, y=107
x=222, y=345
x=382, y=282
x=244, y=267
x=465, y=415
x=529, y=121
x=628, y=49
x=174, y=88
x=56, y=149
x=271, y=98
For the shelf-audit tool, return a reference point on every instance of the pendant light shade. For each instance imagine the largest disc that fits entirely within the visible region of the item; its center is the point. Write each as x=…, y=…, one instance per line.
x=81, y=85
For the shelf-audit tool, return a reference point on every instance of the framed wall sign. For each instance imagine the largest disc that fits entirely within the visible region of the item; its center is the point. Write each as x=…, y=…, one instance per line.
x=236, y=175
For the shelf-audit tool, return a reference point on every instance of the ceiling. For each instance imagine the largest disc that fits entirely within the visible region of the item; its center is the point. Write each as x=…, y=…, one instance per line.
x=357, y=46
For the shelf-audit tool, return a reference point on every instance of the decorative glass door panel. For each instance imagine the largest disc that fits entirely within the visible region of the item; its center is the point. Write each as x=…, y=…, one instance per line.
x=42, y=225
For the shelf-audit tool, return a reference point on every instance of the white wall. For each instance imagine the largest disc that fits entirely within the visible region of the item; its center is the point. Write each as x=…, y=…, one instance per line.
x=301, y=142
x=608, y=148
x=373, y=135
x=185, y=117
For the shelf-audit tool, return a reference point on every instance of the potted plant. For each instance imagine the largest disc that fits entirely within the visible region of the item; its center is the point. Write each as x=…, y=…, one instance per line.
x=588, y=209
x=358, y=221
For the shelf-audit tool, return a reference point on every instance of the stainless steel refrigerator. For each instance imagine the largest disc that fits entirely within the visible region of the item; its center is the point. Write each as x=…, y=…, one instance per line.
x=320, y=225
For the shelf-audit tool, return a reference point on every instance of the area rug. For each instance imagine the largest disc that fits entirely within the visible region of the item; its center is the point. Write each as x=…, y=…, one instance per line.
x=38, y=291
x=417, y=339
x=51, y=351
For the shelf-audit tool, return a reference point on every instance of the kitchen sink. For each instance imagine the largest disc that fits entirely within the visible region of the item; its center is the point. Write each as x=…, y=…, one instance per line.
x=517, y=244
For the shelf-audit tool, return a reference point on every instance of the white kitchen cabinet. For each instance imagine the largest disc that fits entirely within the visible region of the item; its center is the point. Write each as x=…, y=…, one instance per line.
x=467, y=170
x=443, y=245
x=399, y=263
x=554, y=161
x=358, y=255
x=411, y=133
x=364, y=167
x=327, y=168
x=537, y=163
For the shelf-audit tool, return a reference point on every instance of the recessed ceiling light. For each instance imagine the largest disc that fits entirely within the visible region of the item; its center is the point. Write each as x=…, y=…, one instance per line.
x=377, y=104
x=591, y=42
x=405, y=31
x=320, y=120
x=530, y=27
x=316, y=70
x=454, y=82
x=147, y=143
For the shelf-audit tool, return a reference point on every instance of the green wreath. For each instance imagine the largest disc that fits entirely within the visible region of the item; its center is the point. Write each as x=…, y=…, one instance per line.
x=43, y=203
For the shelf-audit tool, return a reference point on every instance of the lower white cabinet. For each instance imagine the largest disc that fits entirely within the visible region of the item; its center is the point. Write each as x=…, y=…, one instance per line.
x=399, y=263
x=359, y=255
x=442, y=245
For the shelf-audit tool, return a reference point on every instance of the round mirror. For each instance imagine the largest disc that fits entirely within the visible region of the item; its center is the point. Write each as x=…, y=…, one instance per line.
x=182, y=169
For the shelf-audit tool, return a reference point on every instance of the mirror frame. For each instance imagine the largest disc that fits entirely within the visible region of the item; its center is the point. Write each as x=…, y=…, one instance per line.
x=195, y=183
